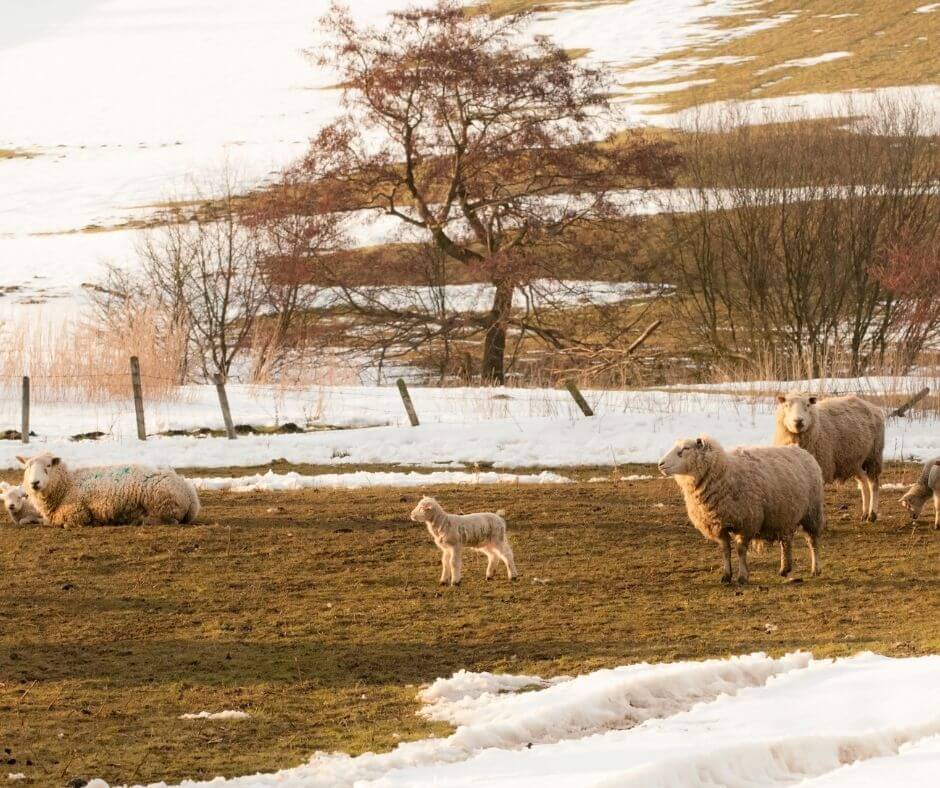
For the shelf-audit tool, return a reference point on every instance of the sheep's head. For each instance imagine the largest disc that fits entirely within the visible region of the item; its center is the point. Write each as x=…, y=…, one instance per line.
x=14, y=499
x=38, y=470
x=425, y=510
x=797, y=411
x=914, y=499
x=689, y=457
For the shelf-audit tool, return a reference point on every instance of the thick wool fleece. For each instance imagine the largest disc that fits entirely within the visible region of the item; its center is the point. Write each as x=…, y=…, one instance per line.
x=114, y=495
x=846, y=435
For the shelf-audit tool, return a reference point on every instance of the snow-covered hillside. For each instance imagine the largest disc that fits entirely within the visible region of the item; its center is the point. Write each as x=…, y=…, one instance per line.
x=123, y=103
x=751, y=720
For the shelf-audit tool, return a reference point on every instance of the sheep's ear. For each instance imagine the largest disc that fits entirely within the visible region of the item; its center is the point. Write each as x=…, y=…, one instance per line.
x=812, y=400
x=55, y=460
x=24, y=461
x=781, y=399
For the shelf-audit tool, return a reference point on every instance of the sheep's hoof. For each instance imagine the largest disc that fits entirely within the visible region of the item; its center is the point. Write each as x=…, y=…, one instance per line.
x=742, y=580
x=456, y=585
x=514, y=579
x=442, y=583
x=785, y=571
x=489, y=577
x=873, y=517
x=726, y=578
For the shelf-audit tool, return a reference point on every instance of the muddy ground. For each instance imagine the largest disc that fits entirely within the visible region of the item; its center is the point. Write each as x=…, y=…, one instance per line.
x=319, y=613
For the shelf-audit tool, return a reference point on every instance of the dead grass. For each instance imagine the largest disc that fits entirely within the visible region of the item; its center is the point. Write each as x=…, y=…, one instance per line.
x=321, y=620
x=889, y=44
x=15, y=153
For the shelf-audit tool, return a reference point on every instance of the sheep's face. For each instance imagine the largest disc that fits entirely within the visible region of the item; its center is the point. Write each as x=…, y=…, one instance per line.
x=424, y=510
x=914, y=499
x=797, y=411
x=14, y=498
x=37, y=471
x=686, y=458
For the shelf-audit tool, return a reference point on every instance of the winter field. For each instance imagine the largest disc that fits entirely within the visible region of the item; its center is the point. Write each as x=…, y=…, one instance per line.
x=296, y=634
x=314, y=614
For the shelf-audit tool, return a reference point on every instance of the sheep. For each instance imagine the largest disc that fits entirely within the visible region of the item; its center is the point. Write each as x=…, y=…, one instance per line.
x=928, y=484
x=846, y=435
x=18, y=505
x=749, y=494
x=484, y=532
x=110, y=494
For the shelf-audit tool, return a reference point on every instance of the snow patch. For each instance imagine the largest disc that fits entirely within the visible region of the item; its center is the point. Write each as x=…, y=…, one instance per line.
x=927, y=9
x=228, y=714
x=272, y=481
x=804, y=62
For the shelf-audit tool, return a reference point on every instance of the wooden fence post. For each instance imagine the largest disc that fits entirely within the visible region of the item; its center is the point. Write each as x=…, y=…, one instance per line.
x=223, y=402
x=138, y=398
x=578, y=398
x=25, y=423
x=902, y=411
x=409, y=405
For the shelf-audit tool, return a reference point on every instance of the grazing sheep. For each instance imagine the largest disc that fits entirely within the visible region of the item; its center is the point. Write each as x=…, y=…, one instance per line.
x=18, y=505
x=749, y=494
x=846, y=435
x=485, y=532
x=928, y=484
x=112, y=494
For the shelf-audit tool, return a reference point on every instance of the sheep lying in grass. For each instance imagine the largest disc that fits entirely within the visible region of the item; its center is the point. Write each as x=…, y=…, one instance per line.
x=926, y=486
x=485, y=532
x=846, y=435
x=113, y=494
x=18, y=505
x=749, y=494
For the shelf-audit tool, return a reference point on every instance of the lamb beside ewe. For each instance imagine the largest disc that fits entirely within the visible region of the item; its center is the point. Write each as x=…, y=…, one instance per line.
x=846, y=435
x=18, y=505
x=111, y=494
x=749, y=494
x=484, y=532
x=926, y=486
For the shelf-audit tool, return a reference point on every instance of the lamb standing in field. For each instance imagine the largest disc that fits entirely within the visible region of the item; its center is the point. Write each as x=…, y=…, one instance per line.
x=846, y=435
x=113, y=494
x=763, y=493
x=18, y=505
x=485, y=532
x=928, y=484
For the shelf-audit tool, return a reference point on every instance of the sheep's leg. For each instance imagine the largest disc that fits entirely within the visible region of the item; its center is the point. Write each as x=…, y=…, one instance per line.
x=786, y=557
x=873, y=498
x=865, y=489
x=812, y=541
x=743, y=573
x=936, y=510
x=725, y=541
x=490, y=562
x=445, y=567
x=456, y=562
x=505, y=553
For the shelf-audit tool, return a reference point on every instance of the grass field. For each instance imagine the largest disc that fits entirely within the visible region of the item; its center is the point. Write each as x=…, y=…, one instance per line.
x=322, y=617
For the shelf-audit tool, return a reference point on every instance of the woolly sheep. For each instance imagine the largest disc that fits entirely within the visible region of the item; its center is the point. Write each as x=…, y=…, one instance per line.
x=18, y=505
x=846, y=435
x=110, y=494
x=928, y=484
x=749, y=494
x=485, y=533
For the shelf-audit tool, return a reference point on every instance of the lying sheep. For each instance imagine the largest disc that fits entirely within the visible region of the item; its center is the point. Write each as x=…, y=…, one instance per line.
x=846, y=435
x=18, y=505
x=928, y=484
x=114, y=494
x=485, y=532
x=747, y=494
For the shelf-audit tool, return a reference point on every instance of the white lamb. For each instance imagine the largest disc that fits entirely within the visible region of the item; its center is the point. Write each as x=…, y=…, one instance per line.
x=110, y=494
x=484, y=532
x=18, y=505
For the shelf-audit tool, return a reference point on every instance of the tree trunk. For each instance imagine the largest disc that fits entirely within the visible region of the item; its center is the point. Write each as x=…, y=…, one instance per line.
x=494, y=344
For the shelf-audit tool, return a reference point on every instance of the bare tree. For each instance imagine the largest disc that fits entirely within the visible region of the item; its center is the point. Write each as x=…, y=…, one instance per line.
x=776, y=245
x=484, y=140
